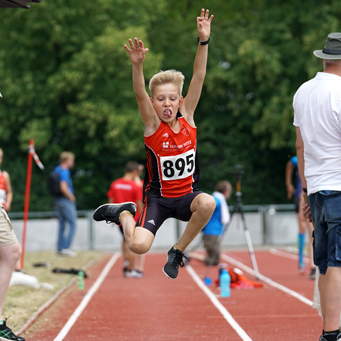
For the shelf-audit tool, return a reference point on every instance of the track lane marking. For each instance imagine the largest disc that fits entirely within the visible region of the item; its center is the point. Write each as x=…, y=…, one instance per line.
x=268, y=280
x=228, y=317
x=286, y=254
x=72, y=320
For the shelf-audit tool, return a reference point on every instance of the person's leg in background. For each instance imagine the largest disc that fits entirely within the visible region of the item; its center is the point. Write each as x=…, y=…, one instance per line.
x=70, y=214
x=301, y=232
x=59, y=213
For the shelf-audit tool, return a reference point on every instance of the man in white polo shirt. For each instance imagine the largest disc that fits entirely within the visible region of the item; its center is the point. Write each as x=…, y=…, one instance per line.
x=317, y=106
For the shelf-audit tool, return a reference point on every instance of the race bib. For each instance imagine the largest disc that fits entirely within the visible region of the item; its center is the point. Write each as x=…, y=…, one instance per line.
x=178, y=166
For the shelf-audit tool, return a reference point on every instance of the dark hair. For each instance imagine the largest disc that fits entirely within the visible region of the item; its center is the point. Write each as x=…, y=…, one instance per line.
x=223, y=186
x=131, y=166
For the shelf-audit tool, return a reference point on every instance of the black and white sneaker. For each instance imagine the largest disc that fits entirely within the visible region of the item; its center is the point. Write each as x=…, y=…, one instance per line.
x=322, y=338
x=174, y=260
x=111, y=212
x=312, y=273
x=7, y=334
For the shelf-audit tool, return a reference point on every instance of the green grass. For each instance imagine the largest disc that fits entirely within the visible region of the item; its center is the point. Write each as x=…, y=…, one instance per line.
x=22, y=302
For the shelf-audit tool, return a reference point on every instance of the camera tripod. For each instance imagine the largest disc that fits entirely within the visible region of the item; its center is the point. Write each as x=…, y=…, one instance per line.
x=238, y=208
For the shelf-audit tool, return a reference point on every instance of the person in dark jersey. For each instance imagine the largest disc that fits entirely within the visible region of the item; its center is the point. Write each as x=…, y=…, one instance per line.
x=172, y=172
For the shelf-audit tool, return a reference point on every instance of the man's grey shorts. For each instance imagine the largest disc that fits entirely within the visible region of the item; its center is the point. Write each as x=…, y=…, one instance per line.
x=325, y=209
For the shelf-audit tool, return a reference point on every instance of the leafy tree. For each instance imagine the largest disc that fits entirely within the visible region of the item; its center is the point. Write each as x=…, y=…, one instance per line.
x=66, y=82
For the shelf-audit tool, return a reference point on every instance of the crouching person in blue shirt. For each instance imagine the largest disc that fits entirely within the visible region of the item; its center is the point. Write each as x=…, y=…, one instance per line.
x=215, y=227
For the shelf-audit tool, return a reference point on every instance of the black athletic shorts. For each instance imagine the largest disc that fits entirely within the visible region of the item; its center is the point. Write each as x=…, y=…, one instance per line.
x=157, y=209
x=297, y=203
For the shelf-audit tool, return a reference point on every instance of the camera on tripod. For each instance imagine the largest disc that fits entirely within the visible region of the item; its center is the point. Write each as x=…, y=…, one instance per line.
x=238, y=170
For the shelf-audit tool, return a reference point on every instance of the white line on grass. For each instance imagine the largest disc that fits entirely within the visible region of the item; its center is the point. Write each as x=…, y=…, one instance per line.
x=268, y=280
x=72, y=320
x=228, y=317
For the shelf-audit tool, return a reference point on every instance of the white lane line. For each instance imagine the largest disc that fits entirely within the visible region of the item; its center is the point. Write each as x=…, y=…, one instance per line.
x=72, y=320
x=286, y=254
x=228, y=317
x=267, y=280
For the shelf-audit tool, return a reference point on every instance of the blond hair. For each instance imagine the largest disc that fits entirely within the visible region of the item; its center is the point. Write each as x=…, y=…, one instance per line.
x=65, y=156
x=165, y=77
x=223, y=186
x=1, y=153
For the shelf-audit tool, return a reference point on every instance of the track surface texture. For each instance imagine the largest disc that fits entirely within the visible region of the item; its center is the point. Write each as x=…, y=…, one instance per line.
x=157, y=308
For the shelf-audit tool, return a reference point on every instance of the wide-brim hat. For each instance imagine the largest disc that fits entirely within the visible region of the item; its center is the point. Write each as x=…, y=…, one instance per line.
x=332, y=47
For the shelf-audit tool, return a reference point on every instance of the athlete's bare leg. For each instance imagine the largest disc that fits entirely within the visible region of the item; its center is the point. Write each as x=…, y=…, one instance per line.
x=8, y=257
x=127, y=254
x=139, y=239
x=139, y=262
x=202, y=207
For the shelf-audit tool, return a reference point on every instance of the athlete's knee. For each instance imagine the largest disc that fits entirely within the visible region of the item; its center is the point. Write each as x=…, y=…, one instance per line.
x=206, y=204
x=138, y=246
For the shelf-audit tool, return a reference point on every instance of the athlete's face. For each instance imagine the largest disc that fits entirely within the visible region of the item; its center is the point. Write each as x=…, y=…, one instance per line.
x=166, y=101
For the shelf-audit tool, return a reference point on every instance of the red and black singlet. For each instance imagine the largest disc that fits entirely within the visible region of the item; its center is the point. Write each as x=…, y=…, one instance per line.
x=172, y=160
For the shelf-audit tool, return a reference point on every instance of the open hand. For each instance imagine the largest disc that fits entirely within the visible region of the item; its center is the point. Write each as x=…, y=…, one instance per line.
x=204, y=24
x=136, y=52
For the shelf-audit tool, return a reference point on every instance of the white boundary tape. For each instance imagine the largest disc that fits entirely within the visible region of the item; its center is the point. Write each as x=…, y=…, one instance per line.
x=228, y=317
x=72, y=320
x=267, y=280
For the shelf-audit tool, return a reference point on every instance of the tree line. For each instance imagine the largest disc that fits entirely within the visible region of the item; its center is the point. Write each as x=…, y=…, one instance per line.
x=66, y=82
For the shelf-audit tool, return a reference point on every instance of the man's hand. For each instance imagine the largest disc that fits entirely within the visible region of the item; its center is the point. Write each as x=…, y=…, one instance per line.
x=306, y=212
x=136, y=52
x=204, y=25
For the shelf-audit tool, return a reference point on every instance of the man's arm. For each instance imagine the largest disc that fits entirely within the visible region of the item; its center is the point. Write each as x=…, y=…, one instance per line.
x=300, y=156
x=137, y=54
x=300, y=163
x=64, y=188
x=9, y=192
x=199, y=70
x=289, y=169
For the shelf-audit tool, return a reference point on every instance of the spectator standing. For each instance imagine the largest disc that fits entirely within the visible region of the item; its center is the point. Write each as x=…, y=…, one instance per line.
x=317, y=106
x=10, y=251
x=122, y=190
x=65, y=205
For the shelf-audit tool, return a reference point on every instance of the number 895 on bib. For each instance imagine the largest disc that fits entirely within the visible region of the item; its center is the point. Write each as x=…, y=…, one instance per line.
x=178, y=166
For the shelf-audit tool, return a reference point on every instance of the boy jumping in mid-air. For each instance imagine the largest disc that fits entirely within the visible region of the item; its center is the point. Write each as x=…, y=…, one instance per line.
x=172, y=171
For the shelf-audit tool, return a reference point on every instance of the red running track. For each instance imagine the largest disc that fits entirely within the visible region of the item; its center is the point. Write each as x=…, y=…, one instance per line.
x=157, y=308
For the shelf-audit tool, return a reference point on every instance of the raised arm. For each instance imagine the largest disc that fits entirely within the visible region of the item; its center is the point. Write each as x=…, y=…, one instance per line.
x=137, y=53
x=199, y=70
